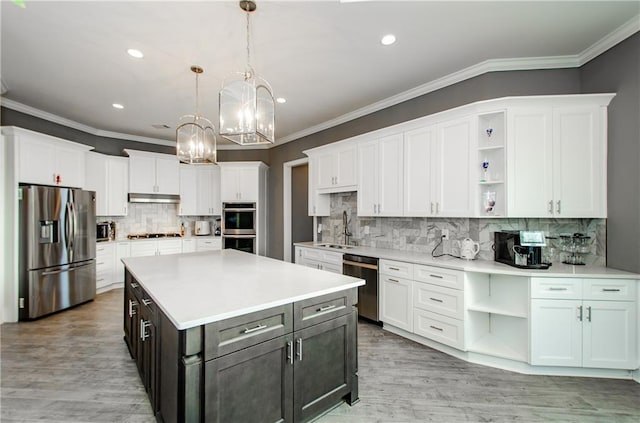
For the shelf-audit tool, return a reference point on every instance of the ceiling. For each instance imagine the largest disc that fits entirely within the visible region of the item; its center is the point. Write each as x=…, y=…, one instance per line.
x=68, y=59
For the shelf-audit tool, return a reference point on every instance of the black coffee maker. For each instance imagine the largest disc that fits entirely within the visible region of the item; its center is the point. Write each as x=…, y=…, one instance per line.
x=521, y=249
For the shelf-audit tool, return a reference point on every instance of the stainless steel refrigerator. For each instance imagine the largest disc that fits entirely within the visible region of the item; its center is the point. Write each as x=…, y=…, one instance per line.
x=57, y=242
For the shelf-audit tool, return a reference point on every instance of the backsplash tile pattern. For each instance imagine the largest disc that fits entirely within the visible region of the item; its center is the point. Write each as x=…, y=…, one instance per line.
x=154, y=218
x=420, y=234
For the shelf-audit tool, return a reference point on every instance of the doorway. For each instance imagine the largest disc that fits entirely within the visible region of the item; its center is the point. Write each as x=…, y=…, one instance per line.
x=297, y=224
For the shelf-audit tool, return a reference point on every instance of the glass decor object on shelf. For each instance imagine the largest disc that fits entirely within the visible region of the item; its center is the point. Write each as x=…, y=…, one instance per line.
x=489, y=201
x=489, y=132
x=485, y=171
x=575, y=247
x=195, y=138
x=246, y=103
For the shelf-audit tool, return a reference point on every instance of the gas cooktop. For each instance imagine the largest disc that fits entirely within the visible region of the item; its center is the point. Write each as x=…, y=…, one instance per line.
x=154, y=235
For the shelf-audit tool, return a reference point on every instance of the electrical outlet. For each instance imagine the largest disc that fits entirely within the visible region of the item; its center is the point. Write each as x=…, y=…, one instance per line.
x=445, y=234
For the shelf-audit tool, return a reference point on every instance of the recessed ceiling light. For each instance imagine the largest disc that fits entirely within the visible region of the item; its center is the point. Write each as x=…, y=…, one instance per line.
x=281, y=100
x=135, y=53
x=388, y=39
x=117, y=106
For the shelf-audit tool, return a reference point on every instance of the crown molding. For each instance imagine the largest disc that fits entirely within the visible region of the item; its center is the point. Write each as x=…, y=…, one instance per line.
x=492, y=65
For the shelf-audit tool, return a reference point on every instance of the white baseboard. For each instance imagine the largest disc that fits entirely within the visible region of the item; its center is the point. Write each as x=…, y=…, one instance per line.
x=114, y=285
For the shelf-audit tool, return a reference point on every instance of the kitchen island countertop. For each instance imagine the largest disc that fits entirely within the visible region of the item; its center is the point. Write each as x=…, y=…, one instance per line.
x=199, y=288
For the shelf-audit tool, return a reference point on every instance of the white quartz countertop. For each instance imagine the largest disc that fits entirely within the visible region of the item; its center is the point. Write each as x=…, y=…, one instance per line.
x=480, y=266
x=125, y=239
x=199, y=288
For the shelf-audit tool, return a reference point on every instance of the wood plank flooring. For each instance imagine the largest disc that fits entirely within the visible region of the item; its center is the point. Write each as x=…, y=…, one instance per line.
x=75, y=367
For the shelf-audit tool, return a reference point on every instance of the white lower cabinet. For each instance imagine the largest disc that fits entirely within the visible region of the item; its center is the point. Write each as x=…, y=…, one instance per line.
x=396, y=296
x=105, y=264
x=156, y=247
x=208, y=244
x=123, y=249
x=319, y=259
x=188, y=245
x=437, y=327
x=597, y=328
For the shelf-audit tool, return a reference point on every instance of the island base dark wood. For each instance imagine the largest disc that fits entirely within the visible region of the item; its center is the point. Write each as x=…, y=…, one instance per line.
x=284, y=364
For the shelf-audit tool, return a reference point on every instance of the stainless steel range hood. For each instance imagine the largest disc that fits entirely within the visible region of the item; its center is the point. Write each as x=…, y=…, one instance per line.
x=154, y=198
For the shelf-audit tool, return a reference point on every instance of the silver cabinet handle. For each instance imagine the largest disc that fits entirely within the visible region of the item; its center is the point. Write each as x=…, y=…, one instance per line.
x=436, y=276
x=144, y=324
x=436, y=299
x=146, y=301
x=299, y=348
x=436, y=328
x=550, y=207
x=558, y=207
x=588, y=313
x=134, y=285
x=394, y=268
x=610, y=289
x=257, y=328
x=557, y=289
x=432, y=207
x=290, y=352
x=437, y=207
x=393, y=280
x=132, y=308
x=325, y=308
x=580, y=313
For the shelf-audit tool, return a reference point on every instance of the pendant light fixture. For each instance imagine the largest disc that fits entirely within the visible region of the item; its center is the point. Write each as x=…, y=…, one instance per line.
x=195, y=139
x=247, y=108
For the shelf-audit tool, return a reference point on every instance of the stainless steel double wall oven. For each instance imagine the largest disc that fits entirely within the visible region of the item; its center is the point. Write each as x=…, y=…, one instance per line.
x=239, y=226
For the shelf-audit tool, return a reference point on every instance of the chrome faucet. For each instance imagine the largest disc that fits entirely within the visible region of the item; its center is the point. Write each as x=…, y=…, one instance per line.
x=345, y=226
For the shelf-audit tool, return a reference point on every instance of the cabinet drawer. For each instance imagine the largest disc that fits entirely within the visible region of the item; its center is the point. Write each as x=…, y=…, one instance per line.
x=443, y=329
x=398, y=269
x=439, y=276
x=209, y=244
x=326, y=307
x=322, y=255
x=562, y=288
x=609, y=289
x=446, y=301
x=227, y=336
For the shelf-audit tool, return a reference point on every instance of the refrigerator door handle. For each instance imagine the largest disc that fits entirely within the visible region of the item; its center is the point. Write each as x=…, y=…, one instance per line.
x=67, y=227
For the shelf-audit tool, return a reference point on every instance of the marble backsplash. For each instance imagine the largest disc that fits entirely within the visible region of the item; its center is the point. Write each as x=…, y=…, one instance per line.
x=154, y=218
x=420, y=234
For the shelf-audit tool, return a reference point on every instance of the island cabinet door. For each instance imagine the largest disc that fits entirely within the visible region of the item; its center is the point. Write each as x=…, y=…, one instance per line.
x=130, y=320
x=251, y=385
x=324, y=366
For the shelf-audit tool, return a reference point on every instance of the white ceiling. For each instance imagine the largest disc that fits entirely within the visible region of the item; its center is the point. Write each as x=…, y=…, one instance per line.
x=69, y=59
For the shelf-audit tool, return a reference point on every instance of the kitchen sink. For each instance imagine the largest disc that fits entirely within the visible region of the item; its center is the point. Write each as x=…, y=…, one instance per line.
x=336, y=246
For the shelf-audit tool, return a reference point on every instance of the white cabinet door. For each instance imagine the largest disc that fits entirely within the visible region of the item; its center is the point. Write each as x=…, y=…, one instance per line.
x=346, y=166
x=142, y=174
x=96, y=180
x=452, y=194
x=229, y=184
x=529, y=162
x=105, y=264
x=214, y=186
x=390, y=176
x=208, y=244
x=609, y=333
x=117, y=185
x=167, y=175
x=337, y=169
x=318, y=203
x=239, y=183
x=326, y=170
x=396, y=302
x=418, y=173
x=36, y=163
x=188, y=245
x=579, y=170
x=143, y=248
x=123, y=250
x=556, y=333
x=248, y=183
x=368, y=179
x=169, y=246
x=188, y=190
x=70, y=167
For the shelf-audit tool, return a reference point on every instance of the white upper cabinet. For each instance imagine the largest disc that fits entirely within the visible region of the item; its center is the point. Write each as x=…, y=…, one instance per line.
x=153, y=173
x=108, y=177
x=199, y=190
x=47, y=160
x=380, y=177
x=318, y=203
x=556, y=158
x=437, y=170
x=240, y=181
x=336, y=170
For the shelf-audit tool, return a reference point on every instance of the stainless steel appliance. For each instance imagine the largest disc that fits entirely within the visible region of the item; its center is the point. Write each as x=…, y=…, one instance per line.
x=521, y=249
x=57, y=249
x=364, y=268
x=105, y=231
x=239, y=226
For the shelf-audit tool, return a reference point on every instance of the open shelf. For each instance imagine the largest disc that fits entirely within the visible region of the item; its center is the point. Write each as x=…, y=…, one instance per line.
x=488, y=308
x=506, y=295
x=491, y=182
x=494, y=345
x=491, y=147
x=491, y=169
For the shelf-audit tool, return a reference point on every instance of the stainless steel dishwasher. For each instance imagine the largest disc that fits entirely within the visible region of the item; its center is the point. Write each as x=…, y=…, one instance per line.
x=364, y=268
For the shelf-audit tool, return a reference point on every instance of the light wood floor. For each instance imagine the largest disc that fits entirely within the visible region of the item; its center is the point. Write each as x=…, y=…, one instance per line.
x=74, y=367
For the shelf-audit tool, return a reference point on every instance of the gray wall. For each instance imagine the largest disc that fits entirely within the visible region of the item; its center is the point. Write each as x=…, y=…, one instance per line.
x=618, y=70
x=301, y=223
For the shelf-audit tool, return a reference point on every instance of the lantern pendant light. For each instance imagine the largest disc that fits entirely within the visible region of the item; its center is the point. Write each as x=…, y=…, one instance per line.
x=246, y=104
x=195, y=139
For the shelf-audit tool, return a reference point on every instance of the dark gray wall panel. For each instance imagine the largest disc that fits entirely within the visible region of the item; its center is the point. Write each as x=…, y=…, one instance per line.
x=618, y=70
x=301, y=223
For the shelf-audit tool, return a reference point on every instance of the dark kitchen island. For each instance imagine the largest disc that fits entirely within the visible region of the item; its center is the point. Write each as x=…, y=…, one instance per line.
x=227, y=336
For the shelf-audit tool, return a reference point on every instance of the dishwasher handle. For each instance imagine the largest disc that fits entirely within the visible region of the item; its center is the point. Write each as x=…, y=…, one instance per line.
x=356, y=264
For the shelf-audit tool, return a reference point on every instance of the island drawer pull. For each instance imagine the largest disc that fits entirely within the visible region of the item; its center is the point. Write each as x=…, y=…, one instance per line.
x=436, y=276
x=438, y=300
x=557, y=289
x=257, y=328
x=436, y=328
x=146, y=301
x=132, y=310
x=134, y=285
x=610, y=289
x=327, y=307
